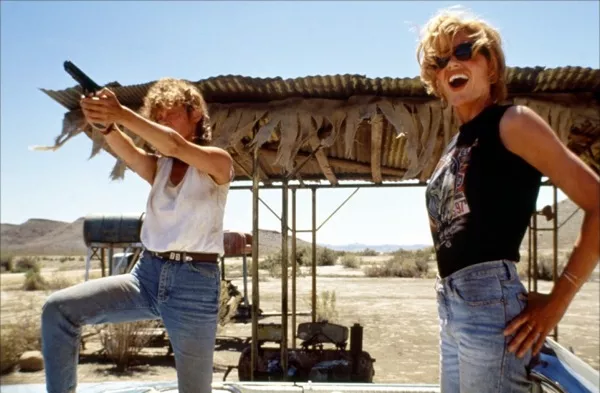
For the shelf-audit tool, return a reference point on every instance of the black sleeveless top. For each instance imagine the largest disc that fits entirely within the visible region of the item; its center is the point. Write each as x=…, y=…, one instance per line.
x=480, y=197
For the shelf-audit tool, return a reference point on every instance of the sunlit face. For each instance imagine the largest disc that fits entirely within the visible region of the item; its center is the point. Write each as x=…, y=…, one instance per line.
x=178, y=119
x=465, y=78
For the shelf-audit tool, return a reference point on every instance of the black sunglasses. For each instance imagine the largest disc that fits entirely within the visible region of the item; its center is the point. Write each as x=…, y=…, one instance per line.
x=462, y=52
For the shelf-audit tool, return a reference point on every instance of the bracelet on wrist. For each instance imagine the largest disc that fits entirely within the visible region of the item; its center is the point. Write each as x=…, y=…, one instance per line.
x=109, y=129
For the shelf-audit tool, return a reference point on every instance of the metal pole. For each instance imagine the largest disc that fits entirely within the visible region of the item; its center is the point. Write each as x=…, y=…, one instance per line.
x=294, y=266
x=223, y=268
x=88, y=263
x=103, y=261
x=555, y=246
x=110, y=260
x=245, y=277
x=284, y=278
x=269, y=207
x=535, y=259
x=338, y=208
x=529, y=258
x=255, y=297
x=314, y=255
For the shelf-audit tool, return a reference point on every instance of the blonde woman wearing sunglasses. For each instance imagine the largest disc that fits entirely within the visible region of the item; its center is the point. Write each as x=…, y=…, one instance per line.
x=480, y=199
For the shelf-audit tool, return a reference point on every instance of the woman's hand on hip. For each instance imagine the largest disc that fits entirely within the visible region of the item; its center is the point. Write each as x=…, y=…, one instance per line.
x=535, y=322
x=103, y=108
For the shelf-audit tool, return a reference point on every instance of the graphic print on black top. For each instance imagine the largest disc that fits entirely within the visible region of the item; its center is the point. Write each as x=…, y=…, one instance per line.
x=447, y=204
x=478, y=190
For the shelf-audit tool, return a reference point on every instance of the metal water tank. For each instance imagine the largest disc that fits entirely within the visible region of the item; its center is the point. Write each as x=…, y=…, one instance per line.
x=112, y=229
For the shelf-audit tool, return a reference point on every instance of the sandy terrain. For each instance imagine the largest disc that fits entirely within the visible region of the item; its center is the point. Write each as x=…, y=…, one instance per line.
x=398, y=315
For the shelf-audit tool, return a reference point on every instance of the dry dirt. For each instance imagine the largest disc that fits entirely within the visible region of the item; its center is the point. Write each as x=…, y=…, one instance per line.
x=398, y=315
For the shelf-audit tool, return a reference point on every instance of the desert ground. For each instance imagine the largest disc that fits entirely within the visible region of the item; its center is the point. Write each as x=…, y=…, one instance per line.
x=398, y=316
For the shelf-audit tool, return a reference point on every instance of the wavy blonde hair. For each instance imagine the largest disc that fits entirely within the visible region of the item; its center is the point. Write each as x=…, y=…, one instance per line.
x=167, y=93
x=436, y=41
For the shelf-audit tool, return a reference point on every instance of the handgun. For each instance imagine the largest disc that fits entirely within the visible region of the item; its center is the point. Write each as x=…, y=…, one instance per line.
x=87, y=84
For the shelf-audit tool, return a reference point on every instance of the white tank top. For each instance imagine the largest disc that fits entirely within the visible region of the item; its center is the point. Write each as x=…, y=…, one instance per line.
x=187, y=217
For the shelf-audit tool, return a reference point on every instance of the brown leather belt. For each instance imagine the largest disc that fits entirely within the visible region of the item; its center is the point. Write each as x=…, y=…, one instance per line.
x=187, y=256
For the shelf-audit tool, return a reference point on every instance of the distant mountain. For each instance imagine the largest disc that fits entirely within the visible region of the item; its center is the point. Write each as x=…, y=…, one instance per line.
x=384, y=248
x=49, y=237
x=43, y=237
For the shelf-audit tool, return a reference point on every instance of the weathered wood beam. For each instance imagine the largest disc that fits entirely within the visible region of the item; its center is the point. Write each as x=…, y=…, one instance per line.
x=322, y=160
x=354, y=166
x=376, y=139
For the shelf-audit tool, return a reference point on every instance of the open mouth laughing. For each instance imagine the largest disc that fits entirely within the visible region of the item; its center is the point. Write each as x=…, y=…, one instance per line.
x=457, y=81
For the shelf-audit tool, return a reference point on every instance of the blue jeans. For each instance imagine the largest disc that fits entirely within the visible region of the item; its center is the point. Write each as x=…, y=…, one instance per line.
x=475, y=304
x=184, y=295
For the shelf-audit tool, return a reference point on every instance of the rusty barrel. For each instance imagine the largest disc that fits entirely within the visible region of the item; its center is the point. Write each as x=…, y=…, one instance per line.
x=237, y=243
x=112, y=228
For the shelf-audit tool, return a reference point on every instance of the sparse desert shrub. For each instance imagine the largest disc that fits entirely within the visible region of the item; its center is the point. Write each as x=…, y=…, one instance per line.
x=123, y=341
x=59, y=282
x=400, y=265
x=544, y=268
x=402, y=252
x=367, y=252
x=326, y=257
x=11, y=347
x=25, y=264
x=34, y=281
x=303, y=256
x=272, y=263
x=351, y=261
x=7, y=262
x=16, y=339
x=425, y=253
x=326, y=307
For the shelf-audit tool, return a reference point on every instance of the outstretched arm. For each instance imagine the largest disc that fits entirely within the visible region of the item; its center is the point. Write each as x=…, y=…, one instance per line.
x=526, y=134
x=140, y=161
x=212, y=160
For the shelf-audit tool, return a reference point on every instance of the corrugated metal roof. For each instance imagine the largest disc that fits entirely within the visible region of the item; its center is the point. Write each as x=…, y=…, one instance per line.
x=236, y=88
x=351, y=159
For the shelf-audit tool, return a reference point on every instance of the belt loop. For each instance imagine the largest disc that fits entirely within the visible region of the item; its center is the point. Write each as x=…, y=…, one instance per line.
x=509, y=269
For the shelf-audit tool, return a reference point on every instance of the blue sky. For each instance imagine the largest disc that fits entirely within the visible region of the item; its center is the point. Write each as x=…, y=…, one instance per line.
x=136, y=42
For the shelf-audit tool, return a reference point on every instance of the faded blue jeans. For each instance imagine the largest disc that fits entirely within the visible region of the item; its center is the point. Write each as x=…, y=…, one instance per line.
x=475, y=304
x=184, y=295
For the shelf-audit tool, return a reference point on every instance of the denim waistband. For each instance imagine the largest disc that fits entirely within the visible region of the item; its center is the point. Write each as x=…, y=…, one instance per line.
x=504, y=269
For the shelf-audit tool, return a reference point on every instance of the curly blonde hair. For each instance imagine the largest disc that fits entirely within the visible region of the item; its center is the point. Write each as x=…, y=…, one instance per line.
x=167, y=93
x=436, y=41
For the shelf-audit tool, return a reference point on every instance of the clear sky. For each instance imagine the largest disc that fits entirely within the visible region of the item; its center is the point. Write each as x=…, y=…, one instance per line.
x=136, y=42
